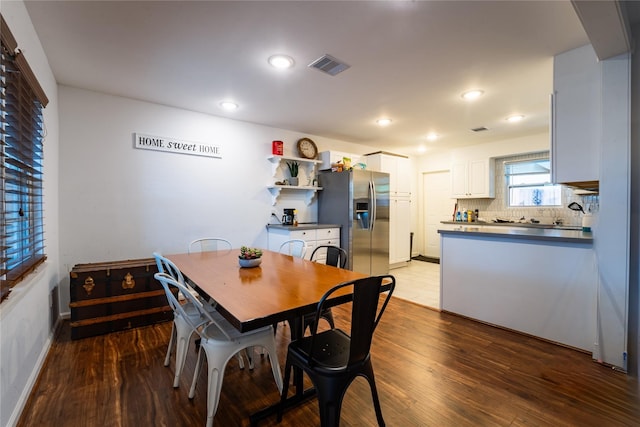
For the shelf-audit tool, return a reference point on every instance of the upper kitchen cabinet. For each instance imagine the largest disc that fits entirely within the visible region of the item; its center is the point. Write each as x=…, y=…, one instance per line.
x=398, y=168
x=473, y=179
x=576, y=125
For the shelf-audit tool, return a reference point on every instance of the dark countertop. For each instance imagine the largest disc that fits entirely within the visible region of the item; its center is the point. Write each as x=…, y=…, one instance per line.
x=515, y=224
x=302, y=226
x=519, y=233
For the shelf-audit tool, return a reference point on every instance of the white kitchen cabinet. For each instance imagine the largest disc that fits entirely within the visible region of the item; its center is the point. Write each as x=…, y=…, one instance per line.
x=473, y=179
x=307, y=173
x=399, y=234
x=576, y=117
x=314, y=237
x=397, y=167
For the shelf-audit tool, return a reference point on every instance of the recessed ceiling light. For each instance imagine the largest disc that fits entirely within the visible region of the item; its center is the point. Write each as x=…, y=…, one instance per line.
x=383, y=122
x=515, y=118
x=281, y=61
x=228, y=105
x=432, y=136
x=470, y=95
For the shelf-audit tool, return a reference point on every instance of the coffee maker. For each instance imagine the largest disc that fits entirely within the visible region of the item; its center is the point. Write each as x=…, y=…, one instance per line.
x=288, y=217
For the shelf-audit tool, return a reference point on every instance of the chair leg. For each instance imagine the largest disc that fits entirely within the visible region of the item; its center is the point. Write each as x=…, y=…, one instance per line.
x=240, y=360
x=196, y=373
x=249, y=353
x=270, y=346
x=215, y=376
x=182, y=346
x=172, y=340
x=374, y=393
x=330, y=394
x=285, y=388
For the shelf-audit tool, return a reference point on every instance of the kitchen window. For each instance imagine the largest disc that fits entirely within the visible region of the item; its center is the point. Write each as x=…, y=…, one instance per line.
x=21, y=150
x=529, y=184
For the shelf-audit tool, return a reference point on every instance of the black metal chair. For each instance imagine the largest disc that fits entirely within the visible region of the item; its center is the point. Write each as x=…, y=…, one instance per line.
x=336, y=257
x=333, y=359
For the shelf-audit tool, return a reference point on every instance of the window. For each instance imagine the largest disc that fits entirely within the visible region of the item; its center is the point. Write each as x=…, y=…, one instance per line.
x=21, y=128
x=529, y=184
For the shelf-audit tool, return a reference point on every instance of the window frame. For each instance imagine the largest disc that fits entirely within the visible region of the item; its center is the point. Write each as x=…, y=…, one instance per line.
x=546, y=183
x=22, y=101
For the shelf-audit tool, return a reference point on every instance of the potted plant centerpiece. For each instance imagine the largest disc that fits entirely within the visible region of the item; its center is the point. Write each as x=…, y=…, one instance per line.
x=293, y=170
x=249, y=257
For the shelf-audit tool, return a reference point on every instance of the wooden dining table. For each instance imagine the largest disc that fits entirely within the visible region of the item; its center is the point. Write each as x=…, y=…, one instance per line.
x=281, y=288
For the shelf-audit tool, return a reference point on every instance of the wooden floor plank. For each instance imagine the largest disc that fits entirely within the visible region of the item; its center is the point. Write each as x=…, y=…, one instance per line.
x=432, y=369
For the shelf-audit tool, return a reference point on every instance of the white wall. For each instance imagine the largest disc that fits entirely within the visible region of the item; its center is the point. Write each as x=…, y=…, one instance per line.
x=612, y=235
x=118, y=202
x=28, y=317
x=634, y=283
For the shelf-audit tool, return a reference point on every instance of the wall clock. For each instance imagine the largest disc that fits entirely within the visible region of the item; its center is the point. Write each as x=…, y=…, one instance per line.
x=307, y=148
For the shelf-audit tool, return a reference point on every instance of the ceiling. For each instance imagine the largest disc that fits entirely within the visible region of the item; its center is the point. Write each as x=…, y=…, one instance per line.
x=410, y=61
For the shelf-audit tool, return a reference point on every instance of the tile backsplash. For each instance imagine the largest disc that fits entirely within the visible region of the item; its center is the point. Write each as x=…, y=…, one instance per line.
x=490, y=209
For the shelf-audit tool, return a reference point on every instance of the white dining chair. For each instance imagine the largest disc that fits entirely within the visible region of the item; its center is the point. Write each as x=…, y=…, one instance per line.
x=294, y=247
x=209, y=244
x=220, y=341
x=180, y=330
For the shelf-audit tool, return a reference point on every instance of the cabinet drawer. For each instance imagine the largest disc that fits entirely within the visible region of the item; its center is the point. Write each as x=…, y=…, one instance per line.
x=328, y=234
x=328, y=242
x=306, y=235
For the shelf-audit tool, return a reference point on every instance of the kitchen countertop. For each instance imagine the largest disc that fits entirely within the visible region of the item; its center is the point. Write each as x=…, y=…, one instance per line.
x=519, y=233
x=302, y=226
x=515, y=224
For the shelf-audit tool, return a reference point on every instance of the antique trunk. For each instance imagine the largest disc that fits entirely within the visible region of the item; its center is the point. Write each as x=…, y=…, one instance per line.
x=113, y=296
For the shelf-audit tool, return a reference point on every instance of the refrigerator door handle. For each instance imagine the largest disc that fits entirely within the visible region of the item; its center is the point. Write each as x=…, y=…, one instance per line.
x=372, y=204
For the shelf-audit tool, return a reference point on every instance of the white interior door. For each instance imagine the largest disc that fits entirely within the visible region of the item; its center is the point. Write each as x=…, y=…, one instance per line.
x=438, y=206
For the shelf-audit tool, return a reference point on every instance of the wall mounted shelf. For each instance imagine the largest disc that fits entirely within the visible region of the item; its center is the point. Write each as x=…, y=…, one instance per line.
x=276, y=189
x=309, y=166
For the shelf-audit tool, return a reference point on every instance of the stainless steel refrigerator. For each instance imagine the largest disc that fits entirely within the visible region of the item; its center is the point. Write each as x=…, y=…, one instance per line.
x=358, y=200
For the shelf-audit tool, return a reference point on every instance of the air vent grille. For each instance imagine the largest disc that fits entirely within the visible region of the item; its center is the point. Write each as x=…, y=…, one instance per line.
x=479, y=129
x=329, y=65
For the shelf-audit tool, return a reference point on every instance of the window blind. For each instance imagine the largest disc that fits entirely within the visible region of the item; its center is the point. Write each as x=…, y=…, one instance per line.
x=21, y=175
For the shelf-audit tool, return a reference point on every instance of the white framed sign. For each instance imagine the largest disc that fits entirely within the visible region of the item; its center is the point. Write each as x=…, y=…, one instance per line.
x=172, y=145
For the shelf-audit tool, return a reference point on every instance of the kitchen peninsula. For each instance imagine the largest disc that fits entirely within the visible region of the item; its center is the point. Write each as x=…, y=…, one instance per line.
x=542, y=282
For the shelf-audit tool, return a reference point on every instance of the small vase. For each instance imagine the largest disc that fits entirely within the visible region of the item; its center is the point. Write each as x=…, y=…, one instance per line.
x=249, y=263
x=293, y=180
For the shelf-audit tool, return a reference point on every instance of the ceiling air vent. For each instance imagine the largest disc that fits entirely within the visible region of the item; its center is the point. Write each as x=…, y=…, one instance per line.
x=479, y=129
x=328, y=64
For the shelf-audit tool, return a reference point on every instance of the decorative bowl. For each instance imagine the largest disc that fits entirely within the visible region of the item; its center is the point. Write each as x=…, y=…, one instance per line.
x=248, y=263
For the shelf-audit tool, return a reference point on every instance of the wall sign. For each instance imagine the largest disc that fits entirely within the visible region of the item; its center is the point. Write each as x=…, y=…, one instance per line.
x=172, y=145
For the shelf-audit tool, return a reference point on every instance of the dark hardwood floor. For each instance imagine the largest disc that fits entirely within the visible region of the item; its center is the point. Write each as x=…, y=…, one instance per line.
x=432, y=369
